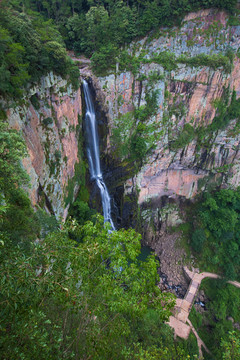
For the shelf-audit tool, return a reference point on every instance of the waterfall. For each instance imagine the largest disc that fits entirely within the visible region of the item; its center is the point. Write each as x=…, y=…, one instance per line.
x=93, y=154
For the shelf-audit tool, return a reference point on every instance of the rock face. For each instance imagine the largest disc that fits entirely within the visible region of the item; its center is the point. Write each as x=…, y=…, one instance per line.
x=186, y=95
x=50, y=121
x=194, y=70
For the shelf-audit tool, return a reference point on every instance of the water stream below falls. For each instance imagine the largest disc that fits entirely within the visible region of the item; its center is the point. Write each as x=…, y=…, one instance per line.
x=93, y=153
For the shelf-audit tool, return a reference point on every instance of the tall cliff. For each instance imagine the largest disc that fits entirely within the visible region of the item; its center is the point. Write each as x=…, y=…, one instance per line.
x=194, y=70
x=49, y=117
x=190, y=139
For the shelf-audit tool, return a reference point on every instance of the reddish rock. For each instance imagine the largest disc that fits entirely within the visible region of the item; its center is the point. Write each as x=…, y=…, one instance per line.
x=61, y=106
x=191, y=98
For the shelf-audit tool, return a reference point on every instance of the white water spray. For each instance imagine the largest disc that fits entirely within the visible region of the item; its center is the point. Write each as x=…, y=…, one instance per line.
x=93, y=154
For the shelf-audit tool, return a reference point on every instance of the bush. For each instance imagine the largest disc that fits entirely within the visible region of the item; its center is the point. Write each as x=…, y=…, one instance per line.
x=185, y=137
x=198, y=239
x=47, y=121
x=214, y=61
x=81, y=211
x=166, y=59
x=216, y=231
x=35, y=101
x=104, y=59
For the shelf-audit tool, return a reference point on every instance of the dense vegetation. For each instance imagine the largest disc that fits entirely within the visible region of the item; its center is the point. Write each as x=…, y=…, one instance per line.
x=98, y=28
x=29, y=48
x=133, y=135
x=63, y=301
x=215, y=232
x=90, y=297
x=82, y=292
x=218, y=324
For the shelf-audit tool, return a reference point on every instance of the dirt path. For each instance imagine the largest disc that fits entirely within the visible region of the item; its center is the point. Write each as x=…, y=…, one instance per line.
x=199, y=341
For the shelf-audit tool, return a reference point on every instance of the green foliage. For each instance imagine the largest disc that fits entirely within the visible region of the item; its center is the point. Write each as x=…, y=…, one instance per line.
x=103, y=28
x=226, y=112
x=185, y=137
x=214, y=61
x=216, y=234
x=157, y=341
x=166, y=59
x=19, y=219
x=129, y=62
x=29, y=48
x=12, y=150
x=190, y=346
x=104, y=59
x=47, y=121
x=196, y=318
x=134, y=135
x=35, y=102
x=231, y=346
x=198, y=240
x=82, y=301
x=81, y=211
x=215, y=325
x=13, y=69
x=138, y=146
x=48, y=223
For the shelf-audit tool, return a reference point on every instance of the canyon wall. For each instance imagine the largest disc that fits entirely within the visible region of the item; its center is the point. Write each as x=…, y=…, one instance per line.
x=194, y=71
x=49, y=117
x=187, y=94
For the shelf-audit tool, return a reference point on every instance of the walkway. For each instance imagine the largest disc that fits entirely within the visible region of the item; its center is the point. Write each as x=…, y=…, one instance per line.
x=199, y=340
x=183, y=307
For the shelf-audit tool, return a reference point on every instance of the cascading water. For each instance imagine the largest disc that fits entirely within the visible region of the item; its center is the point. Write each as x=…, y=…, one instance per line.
x=93, y=154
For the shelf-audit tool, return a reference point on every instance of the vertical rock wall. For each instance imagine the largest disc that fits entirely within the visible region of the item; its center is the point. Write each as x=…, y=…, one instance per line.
x=49, y=118
x=187, y=94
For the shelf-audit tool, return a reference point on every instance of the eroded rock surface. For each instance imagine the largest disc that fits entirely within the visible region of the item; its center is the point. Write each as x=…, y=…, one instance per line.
x=185, y=95
x=48, y=120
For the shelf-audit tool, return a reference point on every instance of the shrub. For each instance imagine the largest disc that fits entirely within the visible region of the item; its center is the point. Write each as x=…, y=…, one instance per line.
x=198, y=239
x=35, y=101
x=47, y=121
x=185, y=137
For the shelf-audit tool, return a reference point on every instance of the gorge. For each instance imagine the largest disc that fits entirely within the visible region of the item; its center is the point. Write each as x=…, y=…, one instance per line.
x=154, y=130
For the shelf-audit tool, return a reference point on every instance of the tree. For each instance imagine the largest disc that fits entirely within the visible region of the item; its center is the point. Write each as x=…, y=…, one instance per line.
x=12, y=150
x=231, y=347
x=217, y=230
x=97, y=21
x=82, y=301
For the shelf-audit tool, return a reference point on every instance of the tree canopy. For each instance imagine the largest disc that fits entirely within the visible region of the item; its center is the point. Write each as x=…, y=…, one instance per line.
x=90, y=27
x=30, y=46
x=64, y=300
x=217, y=228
